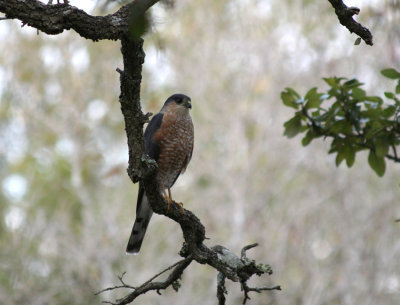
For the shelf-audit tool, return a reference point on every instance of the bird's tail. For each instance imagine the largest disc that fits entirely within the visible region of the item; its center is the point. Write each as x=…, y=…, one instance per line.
x=143, y=216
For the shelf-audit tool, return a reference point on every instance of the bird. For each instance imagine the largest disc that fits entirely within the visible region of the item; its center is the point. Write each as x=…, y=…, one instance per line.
x=169, y=140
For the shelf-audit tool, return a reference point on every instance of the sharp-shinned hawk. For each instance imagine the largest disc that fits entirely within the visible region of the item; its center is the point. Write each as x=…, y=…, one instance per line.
x=169, y=141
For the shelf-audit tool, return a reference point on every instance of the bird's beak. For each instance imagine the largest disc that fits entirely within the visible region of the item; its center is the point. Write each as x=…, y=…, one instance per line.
x=188, y=104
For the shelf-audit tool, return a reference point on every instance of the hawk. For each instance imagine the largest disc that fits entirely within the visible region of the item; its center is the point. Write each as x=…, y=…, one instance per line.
x=169, y=141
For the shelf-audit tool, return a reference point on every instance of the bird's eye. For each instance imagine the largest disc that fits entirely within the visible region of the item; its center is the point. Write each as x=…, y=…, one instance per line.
x=179, y=101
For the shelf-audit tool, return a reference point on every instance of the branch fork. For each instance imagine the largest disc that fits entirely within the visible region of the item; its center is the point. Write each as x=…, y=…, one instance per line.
x=345, y=15
x=240, y=270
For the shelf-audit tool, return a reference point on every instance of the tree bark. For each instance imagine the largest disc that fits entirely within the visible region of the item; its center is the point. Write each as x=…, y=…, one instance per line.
x=54, y=19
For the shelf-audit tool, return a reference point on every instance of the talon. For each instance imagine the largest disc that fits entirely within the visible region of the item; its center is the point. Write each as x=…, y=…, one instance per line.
x=180, y=205
x=170, y=201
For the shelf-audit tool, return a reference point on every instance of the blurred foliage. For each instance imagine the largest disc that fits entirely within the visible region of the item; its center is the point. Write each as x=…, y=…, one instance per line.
x=354, y=120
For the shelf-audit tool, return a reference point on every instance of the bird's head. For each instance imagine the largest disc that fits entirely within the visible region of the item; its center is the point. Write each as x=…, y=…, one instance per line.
x=177, y=103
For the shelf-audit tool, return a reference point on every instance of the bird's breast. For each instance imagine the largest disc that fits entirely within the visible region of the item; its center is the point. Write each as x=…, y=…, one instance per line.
x=175, y=139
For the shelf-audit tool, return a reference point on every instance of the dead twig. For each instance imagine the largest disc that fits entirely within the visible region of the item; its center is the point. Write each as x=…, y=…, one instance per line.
x=345, y=15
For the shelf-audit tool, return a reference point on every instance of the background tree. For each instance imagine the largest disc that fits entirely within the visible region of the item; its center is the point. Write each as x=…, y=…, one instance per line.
x=65, y=144
x=353, y=120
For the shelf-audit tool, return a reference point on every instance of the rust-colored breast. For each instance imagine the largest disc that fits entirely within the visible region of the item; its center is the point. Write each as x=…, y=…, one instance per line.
x=175, y=139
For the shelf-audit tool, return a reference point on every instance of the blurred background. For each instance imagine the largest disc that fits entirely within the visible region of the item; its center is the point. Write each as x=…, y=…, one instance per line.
x=67, y=205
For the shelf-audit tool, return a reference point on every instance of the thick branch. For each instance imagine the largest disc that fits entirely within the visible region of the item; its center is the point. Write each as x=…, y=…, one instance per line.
x=130, y=79
x=54, y=19
x=345, y=15
x=221, y=290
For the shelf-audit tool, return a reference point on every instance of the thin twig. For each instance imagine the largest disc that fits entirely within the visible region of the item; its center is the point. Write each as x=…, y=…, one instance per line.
x=166, y=269
x=113, y=288
x=157, y=286
x=259, y=289
x=246, y=289
x=243, y=252
x=121, y=279
x=124, y=285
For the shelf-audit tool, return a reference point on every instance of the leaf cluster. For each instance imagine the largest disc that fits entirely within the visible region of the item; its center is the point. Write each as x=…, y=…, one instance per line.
x=353, y=120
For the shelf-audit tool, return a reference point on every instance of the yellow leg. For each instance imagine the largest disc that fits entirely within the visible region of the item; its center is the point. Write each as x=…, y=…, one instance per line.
x=179, y=204
x=168, y=198
x=169, y=195
x=170, y=201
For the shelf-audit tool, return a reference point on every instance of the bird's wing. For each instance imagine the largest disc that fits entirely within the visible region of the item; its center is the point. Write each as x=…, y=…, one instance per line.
x=151, y=147
x=187, y=160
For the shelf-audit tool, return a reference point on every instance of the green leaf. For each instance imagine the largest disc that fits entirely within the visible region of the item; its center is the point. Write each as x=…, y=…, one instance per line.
x=349, y=155
x=358, y=93
x=311, y=93
x=289, y=99
x=313, y=98
x=308, y=138
x=357, y=42
x=389, y=111
x=353, y=83
x=376, y=163
x=373, y=113
x=332, y=81
x=390, y=73
x=336, y=145
x=139, y=24
x=322, y=117
x=375, y=99
x=292, y=127
x=389, y=95
x=293, y=92
x=381, y=147
x=339, y=157
x=341, y=127
x=397, y=90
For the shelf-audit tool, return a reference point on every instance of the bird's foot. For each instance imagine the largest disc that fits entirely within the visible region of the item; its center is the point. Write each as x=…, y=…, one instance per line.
x=171, y=202
x=180, y=205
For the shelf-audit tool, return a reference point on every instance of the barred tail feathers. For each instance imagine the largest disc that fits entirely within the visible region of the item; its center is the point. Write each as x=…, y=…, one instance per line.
x=143, y=216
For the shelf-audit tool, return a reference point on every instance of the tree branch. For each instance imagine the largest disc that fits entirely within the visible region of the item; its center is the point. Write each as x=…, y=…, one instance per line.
x=54, y=19
x=150, y=285
x=242, y=267
x=172, y=279
x=247, y=289
x=328, y=134
x=345, y=15
x=221, y=290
